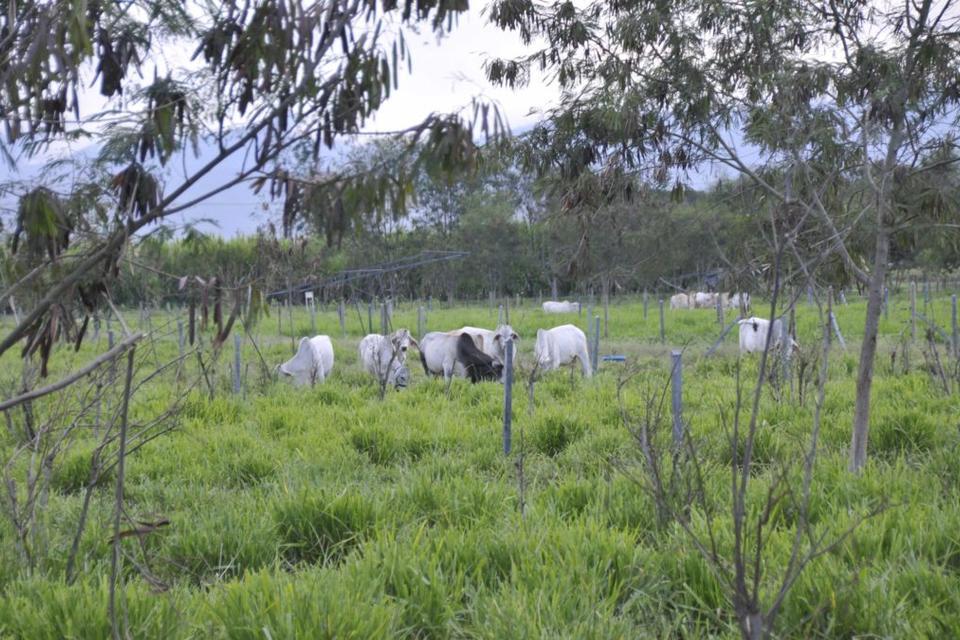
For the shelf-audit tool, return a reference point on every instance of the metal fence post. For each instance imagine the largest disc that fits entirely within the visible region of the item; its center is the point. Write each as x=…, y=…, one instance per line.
x=596, y=343
x=342, y=316
x=663, y=333
x=236, y=363
x=953, y=322
x=645, y=301
x=180, y=336
x=420, y=322
x=913, y=311
x=676, y=376
x=508, y=397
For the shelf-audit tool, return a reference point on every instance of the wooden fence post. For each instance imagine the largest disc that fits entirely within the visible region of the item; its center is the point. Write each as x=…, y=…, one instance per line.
x=645, y=301
x=420, y=322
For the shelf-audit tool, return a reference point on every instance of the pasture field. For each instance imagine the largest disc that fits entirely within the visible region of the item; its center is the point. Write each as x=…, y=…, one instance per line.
x=327, y=513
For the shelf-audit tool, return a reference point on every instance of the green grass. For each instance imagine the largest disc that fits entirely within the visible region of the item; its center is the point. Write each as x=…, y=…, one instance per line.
x=326, y=513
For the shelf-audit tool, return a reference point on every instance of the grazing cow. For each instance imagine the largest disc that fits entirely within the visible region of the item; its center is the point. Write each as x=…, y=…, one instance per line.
x=456, y=354
x=562, y=345
x=551, y=306
x=753, y=335
x=493, y=343
x=312, y=363
x=680, y=301
x=702, y=300
x=739, y=300
x=385, y=356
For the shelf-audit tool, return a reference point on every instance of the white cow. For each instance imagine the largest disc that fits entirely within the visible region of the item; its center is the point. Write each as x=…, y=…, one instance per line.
x=703, y=300
x=312, y=363
x=738, y=300
x=551, y=306
x=493, y=343
x=680, y=301
x=457, y=354
x=753, y=335
x=561, y=345
x=385, y=356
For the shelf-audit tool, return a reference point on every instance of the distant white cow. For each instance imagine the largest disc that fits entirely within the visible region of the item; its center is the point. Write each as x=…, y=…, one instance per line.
x=738, y=300
x=385, y=356
x=561, y=345
x=753, y=335
x=680, y=301
x=493, y=343
x=703, y=300
x=312, y=363
x=551, y=306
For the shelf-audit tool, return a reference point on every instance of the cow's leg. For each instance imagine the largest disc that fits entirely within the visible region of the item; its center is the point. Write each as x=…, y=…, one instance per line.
x=584, y=357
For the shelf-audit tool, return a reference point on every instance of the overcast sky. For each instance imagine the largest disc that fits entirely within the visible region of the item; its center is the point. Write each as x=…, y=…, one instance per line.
x=446, y=75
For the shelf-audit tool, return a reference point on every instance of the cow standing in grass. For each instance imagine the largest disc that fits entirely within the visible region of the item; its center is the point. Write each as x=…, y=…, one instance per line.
x=753, y=335
x=552, y=306
x=493, y=343
x=385, y=356
x=562, y=345
x=680, y=301
x=312, y=363
x=457, y=354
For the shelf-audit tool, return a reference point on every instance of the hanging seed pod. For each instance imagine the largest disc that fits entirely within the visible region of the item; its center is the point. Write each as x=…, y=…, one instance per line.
x=193, y=321
x=81, y=333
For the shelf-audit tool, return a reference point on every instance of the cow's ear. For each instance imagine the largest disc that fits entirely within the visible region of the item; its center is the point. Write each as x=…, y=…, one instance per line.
x=514, y=337
x=414, y=342
x=497, y=338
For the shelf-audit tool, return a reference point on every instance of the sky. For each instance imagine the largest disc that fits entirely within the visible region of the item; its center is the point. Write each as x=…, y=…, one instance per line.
x=445, y=76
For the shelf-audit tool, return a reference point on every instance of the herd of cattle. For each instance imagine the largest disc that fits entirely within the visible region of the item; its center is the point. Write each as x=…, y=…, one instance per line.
x=704, y=300
x=468, y=352
x=480, y=354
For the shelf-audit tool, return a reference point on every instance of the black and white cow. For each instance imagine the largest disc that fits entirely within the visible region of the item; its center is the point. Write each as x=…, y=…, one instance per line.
x=457, y=354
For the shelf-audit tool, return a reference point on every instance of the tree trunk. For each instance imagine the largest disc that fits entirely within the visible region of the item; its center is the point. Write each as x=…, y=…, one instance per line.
x=868, y=352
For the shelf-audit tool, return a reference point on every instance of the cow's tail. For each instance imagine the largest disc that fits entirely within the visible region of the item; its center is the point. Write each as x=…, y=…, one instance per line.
x=423, y=360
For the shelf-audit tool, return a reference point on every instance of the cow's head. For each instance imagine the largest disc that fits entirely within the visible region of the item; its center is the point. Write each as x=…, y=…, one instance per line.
x=503, y=333
x=401, y=340
x=304, y=367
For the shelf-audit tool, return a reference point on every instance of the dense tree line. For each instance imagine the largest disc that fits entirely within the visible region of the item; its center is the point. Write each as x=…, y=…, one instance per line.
x=521, y=235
